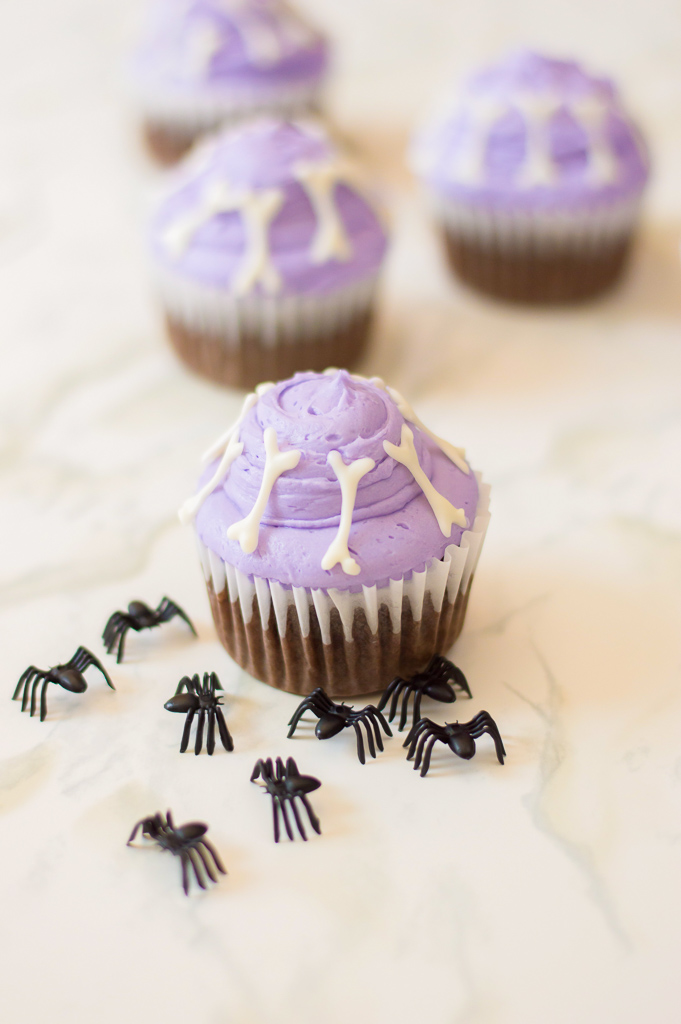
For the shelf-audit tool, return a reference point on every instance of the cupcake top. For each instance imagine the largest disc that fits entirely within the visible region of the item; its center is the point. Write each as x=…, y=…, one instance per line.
x=227, y=47
x=331, y=480
x=271, y=207
x=532, y=131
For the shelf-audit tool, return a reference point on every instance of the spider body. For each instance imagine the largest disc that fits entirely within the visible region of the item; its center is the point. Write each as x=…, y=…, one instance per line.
x=460, y=737
x=285, y=785
x=69, y=676
x=188, y=842
x=440, y=681
x=202, y=699
x=333, y=718
x=139, y=616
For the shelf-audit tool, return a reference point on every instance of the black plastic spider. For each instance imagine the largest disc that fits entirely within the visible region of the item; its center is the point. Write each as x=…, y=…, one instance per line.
x=459, y=737
x=69, y=676
x=204, y=700
x=335, y=717
x=188, y=842
x=285, y=784
x=139, y=616
x=439, y=680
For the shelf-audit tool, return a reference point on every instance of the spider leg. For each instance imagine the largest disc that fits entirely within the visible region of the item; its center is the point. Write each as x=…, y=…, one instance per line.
x=34, y=693
x=185, y=681
x=135, y=831
x=184, y=860
x=210, y=738
x=287, y=823
x=275, y=816
x=317, y=702
x=299, y=823
x=43, y=701
x=215, y=682
x=38, y=675
x=373, y=721
x=461, y=681
x=413, y=734
x=366, y=720
x=121, y=644
x=83, y=659
x=484, y=723
x=187, y=729
x=199, y=732
x=225, y=736
x=196, y=865
x=314, y=820
x=360, y=742
x=391, y=690
x=24, y=678
x=417, y=706
x=214, y=854
x=116, y=623
x=207, y=866
x=423, y=740
x=167, y=609
x=404, y=711
x=426, y=759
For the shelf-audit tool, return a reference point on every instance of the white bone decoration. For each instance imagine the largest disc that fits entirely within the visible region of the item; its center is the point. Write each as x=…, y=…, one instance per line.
x=277, y=462
x=349, y=477
x=259, y=208
x=246, y=530
x=445, y=513
x=319, y=179
x=537, y=109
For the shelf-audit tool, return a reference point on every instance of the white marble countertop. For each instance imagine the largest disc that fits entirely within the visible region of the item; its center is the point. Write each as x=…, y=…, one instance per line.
x=543, y=892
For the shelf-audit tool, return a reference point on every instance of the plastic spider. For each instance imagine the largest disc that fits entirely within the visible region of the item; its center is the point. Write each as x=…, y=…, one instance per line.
x=139, y=616
x=459, y=737
x=69, y=676
x=204, y=700
x=188, y=842
x=333, y=718
x=285, y=784
x=439, y=680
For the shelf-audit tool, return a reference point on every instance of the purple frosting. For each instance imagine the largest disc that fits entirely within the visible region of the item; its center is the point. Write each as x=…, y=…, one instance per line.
x=261, y=46
x=516, y=78
x=264, y=155
x=394, y=530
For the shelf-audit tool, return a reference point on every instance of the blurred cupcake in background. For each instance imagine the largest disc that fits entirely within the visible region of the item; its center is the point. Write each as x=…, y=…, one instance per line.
x=267, y=252
x=205, y=63
x=535, y=173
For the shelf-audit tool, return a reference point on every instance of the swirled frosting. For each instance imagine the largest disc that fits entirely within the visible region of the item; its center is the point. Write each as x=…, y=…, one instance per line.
x=271, y=207
x=227, y=47
x=533, y=132
x=394, y=529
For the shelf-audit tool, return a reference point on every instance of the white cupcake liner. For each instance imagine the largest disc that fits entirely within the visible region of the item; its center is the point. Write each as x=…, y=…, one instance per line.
x=583, y=230
x=275, y=320
x=451, y=575
x=194, y=114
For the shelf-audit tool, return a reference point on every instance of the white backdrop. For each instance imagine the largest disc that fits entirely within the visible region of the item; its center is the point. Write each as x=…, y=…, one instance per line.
x=543, y=891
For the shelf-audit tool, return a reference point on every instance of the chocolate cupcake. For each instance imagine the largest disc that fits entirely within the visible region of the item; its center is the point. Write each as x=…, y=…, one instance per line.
x=267, y=253
x=207, y=63
x=535, y=173
x=338, y=535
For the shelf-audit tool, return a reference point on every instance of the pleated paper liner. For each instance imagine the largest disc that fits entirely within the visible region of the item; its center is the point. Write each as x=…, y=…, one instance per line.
x=243, y=341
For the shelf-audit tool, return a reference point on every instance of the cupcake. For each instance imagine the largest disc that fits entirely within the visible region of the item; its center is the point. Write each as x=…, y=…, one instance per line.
x=267, y=252
x=206, y=63
x=535, y=173
x=338, y=535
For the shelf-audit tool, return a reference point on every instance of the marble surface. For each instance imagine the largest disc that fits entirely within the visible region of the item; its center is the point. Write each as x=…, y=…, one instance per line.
x=543, y=891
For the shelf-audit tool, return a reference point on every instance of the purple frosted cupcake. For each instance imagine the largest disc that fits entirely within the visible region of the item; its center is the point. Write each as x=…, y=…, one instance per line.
x=267, y=254
x=338, y=535
x=535, y=174
x=207, y=63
